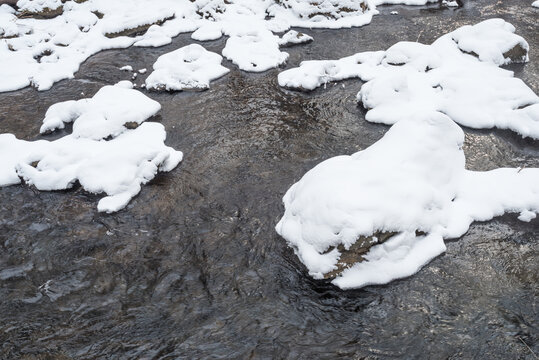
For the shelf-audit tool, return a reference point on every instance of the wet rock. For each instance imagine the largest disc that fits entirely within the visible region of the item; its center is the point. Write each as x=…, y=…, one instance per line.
x=46, y=13
x=131, y=125
x=356, y=252
x=517, y=54
x=136, y=31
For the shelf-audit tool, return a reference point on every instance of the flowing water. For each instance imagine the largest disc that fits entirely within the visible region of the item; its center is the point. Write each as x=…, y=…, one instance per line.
x=193, y=268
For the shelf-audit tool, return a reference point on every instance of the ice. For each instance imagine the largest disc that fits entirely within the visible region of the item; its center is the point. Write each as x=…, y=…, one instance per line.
x=444, y=76
x=188, y=68
x=102, y=154
x=411, y=182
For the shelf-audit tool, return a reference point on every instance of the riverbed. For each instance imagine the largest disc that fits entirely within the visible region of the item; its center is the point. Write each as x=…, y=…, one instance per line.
x=193, y=267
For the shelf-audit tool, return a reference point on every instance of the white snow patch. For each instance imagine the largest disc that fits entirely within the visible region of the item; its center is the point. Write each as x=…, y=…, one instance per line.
x=527, y=216
x=42, y=52
x=293, y=37
x=190, y=67
x=472, y=90
x=38, y=5
x=254, y=49
x=413, y=179
x=117, y=167
x=156, y=36
x=450, y=3
x=103, y=115
x=536, y=4
x=127, y=68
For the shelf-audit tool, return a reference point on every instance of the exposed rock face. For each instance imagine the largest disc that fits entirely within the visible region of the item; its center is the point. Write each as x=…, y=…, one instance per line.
x=517, y=54
x=357, y=250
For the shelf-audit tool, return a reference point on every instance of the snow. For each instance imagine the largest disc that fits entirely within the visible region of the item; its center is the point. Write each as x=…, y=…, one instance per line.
x=536, y=4
x=527, y=216
x=472, y=90
x=190, y=67
x=127, y=68
x=41, y=52
x=417, y=166
x=403, y=2
x=104, y=114
x=450, y=3
x=323, y=14
x=154, y=37
x=254, y=49
x=210, y=31
x=101, y=154
x=38, y=5
x=293, y=37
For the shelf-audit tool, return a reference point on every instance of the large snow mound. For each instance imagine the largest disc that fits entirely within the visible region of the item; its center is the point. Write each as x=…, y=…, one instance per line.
x=110, y=151
x=190, y=68
x=457, y=75
x=411, y=182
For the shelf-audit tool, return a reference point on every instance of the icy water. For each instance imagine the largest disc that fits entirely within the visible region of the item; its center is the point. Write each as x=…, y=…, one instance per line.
x=193, y=267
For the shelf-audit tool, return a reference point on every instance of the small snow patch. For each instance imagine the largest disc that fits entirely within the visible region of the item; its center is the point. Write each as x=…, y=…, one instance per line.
x=189, y=68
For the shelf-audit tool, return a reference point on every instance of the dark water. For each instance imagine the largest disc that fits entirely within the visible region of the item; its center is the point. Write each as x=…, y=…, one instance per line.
x=193, y=268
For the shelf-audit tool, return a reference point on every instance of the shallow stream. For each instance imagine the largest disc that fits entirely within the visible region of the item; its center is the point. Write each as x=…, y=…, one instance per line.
x=193, y=268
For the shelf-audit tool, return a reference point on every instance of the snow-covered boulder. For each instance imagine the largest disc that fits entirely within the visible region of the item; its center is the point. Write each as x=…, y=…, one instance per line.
x=254, y=49
x=107, y=114
x=189, y=68
x=413, y=183
x=129, y=157
x=457, y=75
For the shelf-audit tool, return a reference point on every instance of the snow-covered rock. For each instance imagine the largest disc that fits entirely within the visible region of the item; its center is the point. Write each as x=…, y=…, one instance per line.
x=254, y=49
x=189, y=68
x=41, y=52
x=330, y=14
x=293, y=37
x=450, y=3
x=104, y=115
x=411, y=182
x=36, y=6
x=110, y=151
x=444, y=76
